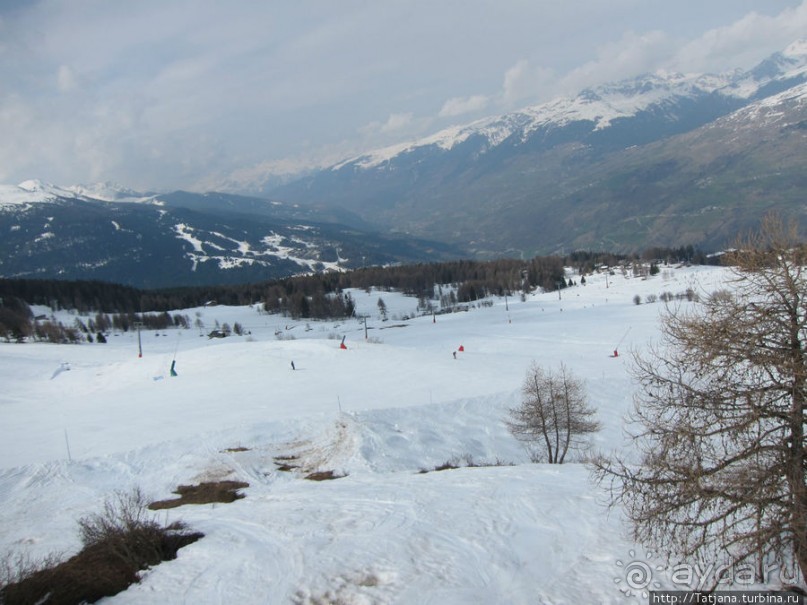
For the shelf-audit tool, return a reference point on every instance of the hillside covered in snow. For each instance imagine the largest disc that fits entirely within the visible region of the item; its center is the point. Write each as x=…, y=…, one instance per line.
x=79, y=422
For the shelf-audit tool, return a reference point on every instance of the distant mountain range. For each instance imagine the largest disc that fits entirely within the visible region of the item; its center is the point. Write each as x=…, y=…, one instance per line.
x=663, y=159
x=163, y=240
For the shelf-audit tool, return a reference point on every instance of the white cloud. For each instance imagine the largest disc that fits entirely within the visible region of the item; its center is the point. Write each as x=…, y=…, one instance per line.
x=631, y=55
x=16, y=118
x=397, y=122
x=743, y=42
x=458, y=106
x=153, y=94
x=525, y=81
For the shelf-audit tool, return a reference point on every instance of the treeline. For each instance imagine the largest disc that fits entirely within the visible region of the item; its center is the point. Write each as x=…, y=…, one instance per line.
x=588, y=261
x=123, y=322
x=320, y=296
x=473, y=279
x=17, y=323
x=321, y=293
x=83, y=296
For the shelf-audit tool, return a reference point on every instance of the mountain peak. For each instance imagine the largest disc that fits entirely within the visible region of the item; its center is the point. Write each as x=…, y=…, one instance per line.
x=797, y=50
x=34, y=191
x=35, y=185
x=31, y=191
x=788, y=64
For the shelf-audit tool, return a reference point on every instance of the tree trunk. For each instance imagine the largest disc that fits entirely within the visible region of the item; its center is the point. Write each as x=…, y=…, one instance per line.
x=796, y=467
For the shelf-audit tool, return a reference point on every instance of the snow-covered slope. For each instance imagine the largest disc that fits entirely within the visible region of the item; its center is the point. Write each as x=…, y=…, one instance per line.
x=600, y=106
x=110, y=234
x=35, y=191
x=31, y=192
x=604, y=104
x=110, y=192
x=79, y=422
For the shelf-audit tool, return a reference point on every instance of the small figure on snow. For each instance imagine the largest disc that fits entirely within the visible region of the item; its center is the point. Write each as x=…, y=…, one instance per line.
x=454, y=354
x=292, y=366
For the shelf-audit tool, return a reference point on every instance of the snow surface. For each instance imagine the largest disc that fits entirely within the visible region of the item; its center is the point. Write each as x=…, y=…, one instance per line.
x=601, y=106
x=769, y=112
x=34, y=191
x=79, y=422
x=109, y=192
x=30, y=192
x=274, y=248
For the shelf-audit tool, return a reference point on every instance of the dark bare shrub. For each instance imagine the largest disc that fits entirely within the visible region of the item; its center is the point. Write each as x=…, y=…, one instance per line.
x=119, y=542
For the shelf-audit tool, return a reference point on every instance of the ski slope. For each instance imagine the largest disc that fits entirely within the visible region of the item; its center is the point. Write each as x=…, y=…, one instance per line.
x=79, y=422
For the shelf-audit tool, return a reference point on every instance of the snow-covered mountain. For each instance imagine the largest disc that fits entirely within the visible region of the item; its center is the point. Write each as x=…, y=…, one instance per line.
x=158, y=240
x=603, y=105
x=494, y=183
x=110, y=192
x=34, y=191
x=663, y=159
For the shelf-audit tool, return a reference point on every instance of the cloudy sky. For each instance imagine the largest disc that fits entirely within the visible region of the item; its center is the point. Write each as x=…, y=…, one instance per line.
x=195, y=94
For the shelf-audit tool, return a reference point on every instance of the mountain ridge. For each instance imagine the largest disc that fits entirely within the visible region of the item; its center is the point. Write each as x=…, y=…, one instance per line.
x=182, y=238
x=787, y=65
x=663, y=159
x=480, y=185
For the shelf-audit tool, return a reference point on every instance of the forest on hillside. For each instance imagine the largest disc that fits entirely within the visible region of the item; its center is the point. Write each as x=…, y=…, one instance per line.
x=318, y=296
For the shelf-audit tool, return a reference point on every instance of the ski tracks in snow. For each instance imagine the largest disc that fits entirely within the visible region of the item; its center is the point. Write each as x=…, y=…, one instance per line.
x=331, y=449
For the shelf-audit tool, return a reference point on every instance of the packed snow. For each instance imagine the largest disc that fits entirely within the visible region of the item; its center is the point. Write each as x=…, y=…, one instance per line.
x=78, y=422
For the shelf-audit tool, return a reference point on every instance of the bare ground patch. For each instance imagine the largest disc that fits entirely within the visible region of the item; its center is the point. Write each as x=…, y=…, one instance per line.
x=119, y=543
x=324, y=476
x=204, y=493
x=466, y=461
x=287, y=463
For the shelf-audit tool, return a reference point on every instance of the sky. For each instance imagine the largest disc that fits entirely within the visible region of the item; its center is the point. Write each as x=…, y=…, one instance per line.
x=204, y=94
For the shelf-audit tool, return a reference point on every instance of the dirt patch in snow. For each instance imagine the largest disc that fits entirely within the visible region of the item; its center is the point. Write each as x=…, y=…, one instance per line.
x=203, y=493
x=323, y=476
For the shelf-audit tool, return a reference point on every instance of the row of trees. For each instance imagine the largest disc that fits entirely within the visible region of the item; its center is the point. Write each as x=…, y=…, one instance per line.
x=310, y=296
x=319, y=296
x=471, y=280
x=586, y=261
x=17, y=323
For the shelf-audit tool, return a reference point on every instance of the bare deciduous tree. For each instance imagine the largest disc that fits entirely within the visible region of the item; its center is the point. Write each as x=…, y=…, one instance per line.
x=721, y=465
x=554, y=414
